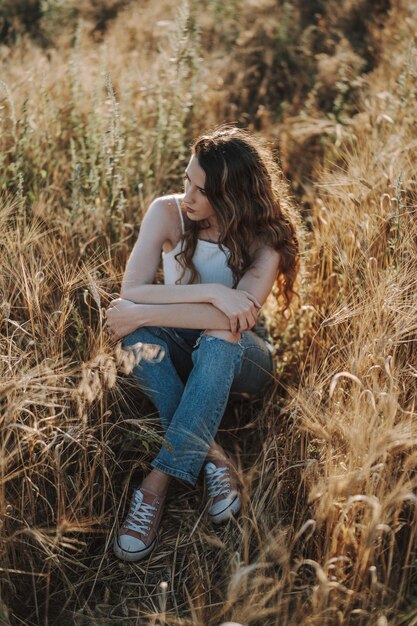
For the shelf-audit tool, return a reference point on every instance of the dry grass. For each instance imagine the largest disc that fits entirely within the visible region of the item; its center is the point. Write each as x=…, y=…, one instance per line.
x=90, y=132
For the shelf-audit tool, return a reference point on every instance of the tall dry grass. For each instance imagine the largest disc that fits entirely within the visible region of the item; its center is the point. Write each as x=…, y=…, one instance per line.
x=90, y=132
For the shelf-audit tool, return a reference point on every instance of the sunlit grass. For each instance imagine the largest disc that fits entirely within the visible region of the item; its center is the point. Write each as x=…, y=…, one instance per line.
x=90, y=132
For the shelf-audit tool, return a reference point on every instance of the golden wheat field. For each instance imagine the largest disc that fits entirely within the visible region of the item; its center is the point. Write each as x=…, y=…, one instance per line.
x=99, y=104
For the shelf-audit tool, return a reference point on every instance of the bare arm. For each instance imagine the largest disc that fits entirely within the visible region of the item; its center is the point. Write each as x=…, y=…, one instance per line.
x=170, y=294
x=157, y=228
x=123, y=317
x=260, y=278
x=217, y=302
x=159, y=225
x=185, y=306
x=179, y=316
x=257, y=283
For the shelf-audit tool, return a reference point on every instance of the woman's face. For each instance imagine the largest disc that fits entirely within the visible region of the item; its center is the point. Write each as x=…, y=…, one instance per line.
x=195, y=200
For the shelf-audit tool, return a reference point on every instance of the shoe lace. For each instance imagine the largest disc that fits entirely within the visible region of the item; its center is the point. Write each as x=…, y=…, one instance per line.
x=140, y=515
x=218, y=482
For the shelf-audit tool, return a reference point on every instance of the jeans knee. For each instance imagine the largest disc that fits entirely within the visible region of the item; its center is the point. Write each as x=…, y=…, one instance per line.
x=226, y=335
x=144, y=333
x=146, y=344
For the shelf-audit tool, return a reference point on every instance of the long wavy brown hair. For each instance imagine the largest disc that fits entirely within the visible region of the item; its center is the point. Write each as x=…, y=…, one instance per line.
x=246, y=189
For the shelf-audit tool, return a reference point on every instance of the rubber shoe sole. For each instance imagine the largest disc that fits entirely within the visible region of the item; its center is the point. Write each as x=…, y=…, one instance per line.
x=132, y=555
x=227, y=512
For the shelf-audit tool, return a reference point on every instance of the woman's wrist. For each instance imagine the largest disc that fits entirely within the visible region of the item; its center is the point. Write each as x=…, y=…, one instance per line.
x=142, y=315
x=215, y=293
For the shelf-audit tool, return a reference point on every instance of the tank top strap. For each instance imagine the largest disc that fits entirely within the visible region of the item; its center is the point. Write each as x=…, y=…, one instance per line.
x=181, y=215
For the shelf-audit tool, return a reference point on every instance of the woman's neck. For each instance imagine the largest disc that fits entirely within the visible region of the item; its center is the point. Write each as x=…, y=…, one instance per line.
x=210, y=233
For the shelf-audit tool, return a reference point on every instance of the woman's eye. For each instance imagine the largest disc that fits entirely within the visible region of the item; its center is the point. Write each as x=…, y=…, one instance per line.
x=188, y=182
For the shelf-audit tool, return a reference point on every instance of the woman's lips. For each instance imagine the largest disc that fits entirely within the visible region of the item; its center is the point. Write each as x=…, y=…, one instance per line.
x=189, y=210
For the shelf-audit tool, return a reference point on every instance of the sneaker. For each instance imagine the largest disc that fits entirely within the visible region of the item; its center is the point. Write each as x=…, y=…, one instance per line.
x=138, y=534
x=221, y=477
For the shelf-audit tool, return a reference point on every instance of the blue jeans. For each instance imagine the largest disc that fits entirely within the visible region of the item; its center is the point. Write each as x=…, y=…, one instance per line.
x=189, y=383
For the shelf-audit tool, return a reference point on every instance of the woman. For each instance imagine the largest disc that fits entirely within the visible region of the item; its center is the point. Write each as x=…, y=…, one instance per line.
x=226, y=243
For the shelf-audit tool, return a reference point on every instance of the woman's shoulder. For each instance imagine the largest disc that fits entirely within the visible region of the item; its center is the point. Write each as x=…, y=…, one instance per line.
x=166, y=204
x=166, y=208
x=262, y=251
x=165, y=211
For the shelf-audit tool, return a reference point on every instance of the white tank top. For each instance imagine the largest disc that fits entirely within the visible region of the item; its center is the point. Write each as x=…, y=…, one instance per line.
x=209, y=259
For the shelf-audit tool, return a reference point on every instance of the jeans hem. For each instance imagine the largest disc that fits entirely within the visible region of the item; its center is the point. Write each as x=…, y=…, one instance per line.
x=174, y=472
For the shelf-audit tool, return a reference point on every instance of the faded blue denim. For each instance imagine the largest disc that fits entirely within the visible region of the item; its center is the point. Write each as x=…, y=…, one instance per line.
x=190, y=384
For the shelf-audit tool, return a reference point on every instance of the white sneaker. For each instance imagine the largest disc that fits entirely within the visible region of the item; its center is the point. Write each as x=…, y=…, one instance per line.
x=138, y=534
x=221, y=478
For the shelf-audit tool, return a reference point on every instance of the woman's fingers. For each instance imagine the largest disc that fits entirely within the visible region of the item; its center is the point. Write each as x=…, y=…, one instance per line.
x=252, y=299
x=251, y=321
x=233, y=324
x=252, y=316
x=244, y=320
x=253, y=309
x=242, y=323
x=114, y=303
x=254, y=312
x=111, y=305
x=242, y=311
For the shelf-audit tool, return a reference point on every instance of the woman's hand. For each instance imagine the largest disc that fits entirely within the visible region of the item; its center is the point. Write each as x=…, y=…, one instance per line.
x=122, y=318
x=240, y=307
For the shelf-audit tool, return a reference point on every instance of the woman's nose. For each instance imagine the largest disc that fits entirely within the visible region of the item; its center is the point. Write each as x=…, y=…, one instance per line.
x=188, y=197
